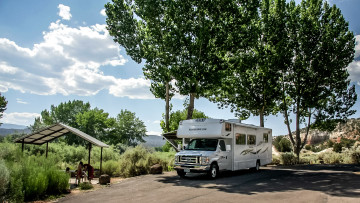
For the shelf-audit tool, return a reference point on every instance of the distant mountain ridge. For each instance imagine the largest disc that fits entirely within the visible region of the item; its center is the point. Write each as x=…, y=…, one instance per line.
x=12, y=126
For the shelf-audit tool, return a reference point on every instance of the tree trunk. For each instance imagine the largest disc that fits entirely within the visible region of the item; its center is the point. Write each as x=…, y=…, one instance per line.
x=298, y=139
x=261, y=114
x=191, y=106
x=167, y=108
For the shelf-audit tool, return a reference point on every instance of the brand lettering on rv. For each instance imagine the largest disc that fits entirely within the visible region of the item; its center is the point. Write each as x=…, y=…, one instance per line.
x=197, y=129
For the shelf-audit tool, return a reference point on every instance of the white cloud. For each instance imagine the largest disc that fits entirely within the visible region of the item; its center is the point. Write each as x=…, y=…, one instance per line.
x=354, y=71
x=156, y=122
x=67, y=61
x=153, y=133
x=357, y=46
x=20, y=101
x=64, y=12
x=354, y=67
x=19, y=118
x=102, y=12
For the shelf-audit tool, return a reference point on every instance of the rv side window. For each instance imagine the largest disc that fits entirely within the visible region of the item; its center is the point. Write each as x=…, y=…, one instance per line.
x=240, y=139
x=251, y=140
x=227, y=126
x=266, y=138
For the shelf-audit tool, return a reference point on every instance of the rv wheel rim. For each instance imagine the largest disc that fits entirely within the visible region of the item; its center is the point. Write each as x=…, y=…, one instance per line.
x=213, y=172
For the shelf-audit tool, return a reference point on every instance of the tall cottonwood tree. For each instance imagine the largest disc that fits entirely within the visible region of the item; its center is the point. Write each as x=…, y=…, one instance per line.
x=316, y=84
x=183, y=36
x=252, y=85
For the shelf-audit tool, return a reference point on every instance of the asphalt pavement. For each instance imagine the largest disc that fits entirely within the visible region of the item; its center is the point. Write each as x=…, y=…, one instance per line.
x=306, y=183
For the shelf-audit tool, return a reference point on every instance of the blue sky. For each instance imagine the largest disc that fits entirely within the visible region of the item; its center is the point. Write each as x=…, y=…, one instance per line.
x=56, y=51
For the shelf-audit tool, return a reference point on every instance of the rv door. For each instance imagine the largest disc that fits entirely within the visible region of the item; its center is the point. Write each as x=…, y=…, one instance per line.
x=224, y=161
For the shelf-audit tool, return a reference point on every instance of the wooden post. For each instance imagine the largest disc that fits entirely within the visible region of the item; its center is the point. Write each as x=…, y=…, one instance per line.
x=89, y=152
x=22, y=145
x=47, y=148
x=101, y=160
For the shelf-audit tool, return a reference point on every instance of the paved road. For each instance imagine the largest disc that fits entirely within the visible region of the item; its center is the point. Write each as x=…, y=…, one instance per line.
x=271, y=184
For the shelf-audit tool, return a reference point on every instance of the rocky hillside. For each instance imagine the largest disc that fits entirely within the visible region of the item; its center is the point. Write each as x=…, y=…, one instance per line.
x=349, y=130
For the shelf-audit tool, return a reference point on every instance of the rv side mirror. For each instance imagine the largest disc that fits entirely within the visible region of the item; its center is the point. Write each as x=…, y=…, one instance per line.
x=228, y=147
x=179, y=147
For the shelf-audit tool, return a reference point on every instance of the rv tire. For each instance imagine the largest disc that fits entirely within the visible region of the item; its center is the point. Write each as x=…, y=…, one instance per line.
x=257, y=167
x=181, y=173
x=214, y=171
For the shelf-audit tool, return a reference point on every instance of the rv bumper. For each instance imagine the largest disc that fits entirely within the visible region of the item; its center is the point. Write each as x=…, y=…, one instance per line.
x=192, y=168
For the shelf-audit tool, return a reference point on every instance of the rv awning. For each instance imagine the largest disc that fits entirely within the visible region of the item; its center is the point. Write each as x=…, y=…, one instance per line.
x=55, y=131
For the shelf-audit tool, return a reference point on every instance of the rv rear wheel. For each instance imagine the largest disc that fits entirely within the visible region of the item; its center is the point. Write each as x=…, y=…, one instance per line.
x=181, y=173
x=257, y=167
x=214, y=171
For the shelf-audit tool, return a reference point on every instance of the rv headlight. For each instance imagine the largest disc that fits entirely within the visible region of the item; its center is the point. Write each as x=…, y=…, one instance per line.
x=176, y=159
x=205, y=160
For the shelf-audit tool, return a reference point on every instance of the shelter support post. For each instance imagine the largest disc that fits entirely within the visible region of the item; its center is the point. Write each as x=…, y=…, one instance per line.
x=47, y=148
x=101, y=160
x=89, y=152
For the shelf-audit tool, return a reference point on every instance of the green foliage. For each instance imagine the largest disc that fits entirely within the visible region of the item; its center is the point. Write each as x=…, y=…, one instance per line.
x=137, y=161
x=355, y=156
x=85, y=186
x=308, y=147
x=111, y=168
x=128, y=129
x=330, y=143
x=4, y=179
x=332, y=158
x=166, y=147
x=337, y=147
x=177, y=116
x=179, y=42
x=275, y=160
x=315, y=86
x=347, y=142
x=282, y=144
x=288, y=158
x=3, y=104
x=34, y=177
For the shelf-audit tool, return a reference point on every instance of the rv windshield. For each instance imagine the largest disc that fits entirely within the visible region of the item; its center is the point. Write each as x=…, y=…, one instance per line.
x=202, y=144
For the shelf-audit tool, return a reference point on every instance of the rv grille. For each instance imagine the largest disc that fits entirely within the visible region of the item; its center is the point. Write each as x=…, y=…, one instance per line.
x=189, y=159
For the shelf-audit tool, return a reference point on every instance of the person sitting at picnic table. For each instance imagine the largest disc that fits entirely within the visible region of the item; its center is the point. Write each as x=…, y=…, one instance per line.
x=90, y=170
x=79, y=173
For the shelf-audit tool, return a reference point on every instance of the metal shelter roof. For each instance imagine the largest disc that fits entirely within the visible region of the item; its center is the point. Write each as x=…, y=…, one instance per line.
x=55, y=131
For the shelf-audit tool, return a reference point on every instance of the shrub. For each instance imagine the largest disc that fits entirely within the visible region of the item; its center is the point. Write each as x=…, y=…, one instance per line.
x=86, y=186
x=337, y=147
x=347, y=142
x=282, y=144
x=330, y=143
x=275, y=160
x=332, y=158
x=111, y=168
x=35, y=177
x=4, y=179
x=288, y=159
x=355, y=156
x=308, y=147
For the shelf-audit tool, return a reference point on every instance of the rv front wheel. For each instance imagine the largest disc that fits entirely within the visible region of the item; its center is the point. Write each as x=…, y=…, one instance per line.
x=214, y=171
x=181, y=173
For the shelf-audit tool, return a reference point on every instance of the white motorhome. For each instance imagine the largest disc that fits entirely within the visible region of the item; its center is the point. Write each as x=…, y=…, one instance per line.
x=219, y=145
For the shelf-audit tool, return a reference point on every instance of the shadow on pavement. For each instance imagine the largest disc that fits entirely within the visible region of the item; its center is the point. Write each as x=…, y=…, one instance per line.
x=336, y=180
